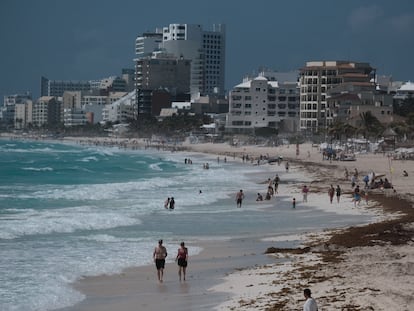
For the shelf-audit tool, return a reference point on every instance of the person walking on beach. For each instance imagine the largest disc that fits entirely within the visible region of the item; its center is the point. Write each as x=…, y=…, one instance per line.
x=357, y=196
x=276, y=182
x=239, y=198
x=338, y=193
x=159, y=255
x=294, y=203
x=331, y=193
x=310, y=303
x=182, y=260
x=305, y=191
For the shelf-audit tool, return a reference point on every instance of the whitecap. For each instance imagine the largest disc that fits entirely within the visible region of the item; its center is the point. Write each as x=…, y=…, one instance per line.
x=38, y=169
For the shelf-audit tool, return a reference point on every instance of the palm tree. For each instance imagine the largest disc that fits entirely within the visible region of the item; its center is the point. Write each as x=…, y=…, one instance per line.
x=370, y=125
x=339, y=129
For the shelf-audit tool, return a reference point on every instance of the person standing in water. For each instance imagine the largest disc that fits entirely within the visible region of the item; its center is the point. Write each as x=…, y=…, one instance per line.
x=172, y=203
x=167, y=203
x=239, y=198
x=182, y=260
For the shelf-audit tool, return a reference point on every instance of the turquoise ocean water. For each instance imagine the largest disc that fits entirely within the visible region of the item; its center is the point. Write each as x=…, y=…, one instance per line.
x=68, y=211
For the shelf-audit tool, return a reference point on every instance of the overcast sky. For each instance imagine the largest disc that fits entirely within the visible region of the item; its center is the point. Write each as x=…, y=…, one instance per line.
x=93, y=39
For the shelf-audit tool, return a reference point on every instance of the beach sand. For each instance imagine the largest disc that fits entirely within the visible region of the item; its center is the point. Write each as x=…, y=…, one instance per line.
x=369, y=267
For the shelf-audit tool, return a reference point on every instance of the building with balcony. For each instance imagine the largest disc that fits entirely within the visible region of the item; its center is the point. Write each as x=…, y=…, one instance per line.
x=158, y=74
x=47, y=111
x=268, y=100
x=8, y=111
x=317, y=79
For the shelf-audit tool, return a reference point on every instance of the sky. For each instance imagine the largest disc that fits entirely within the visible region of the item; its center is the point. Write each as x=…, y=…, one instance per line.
x=94, y=39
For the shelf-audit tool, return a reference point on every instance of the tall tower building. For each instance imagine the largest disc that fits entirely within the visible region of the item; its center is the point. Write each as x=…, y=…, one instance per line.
x=317, y=78
x=205, y=49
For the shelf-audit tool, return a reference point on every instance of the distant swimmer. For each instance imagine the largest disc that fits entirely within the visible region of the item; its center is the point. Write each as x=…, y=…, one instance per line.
x=172, y=203
x=167, y=203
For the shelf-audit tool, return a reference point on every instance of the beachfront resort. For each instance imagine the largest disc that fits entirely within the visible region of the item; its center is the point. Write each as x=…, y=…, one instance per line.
x=96, y=160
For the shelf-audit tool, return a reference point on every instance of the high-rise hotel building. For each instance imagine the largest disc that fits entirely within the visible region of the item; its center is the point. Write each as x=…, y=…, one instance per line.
x=318, y=79
x=205, y=49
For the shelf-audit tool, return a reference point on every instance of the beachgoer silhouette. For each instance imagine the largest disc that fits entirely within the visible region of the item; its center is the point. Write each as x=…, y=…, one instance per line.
x=167, y=203
x=239, y=198
x=182, y=260
x=172, y=203
x=160, y=253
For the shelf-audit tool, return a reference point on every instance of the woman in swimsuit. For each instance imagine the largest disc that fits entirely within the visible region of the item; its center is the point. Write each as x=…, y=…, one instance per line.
x=182, y=259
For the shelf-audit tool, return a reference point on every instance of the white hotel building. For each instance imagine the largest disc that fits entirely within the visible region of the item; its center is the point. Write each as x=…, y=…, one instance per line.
x=269, y=100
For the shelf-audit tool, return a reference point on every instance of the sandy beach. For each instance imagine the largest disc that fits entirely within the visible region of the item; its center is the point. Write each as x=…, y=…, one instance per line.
x=367, y=267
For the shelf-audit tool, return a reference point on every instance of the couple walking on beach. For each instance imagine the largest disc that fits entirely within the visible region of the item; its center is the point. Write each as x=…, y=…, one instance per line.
x=159, y=255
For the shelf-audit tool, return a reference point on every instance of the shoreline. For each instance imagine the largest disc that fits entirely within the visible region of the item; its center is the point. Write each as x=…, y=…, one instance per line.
x=363, y=267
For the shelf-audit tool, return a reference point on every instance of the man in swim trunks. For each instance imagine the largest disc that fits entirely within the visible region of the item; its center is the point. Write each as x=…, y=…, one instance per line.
x=160, y=252
x=239, y=198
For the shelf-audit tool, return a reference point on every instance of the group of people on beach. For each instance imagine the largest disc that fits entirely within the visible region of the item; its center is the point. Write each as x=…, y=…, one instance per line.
x=272, y=188
x=159, y=255
x=332, y=191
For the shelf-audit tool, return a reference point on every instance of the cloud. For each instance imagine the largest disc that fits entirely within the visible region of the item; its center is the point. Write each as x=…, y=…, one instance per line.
x=365, y=17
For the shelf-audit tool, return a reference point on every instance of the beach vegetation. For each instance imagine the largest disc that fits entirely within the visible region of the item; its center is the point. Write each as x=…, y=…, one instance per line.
x=173, y=125
x=370, y=126
x=404, y=107
x=339, y=130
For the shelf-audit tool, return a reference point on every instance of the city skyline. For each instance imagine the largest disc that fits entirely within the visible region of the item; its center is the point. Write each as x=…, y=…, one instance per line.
x=87, y=40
